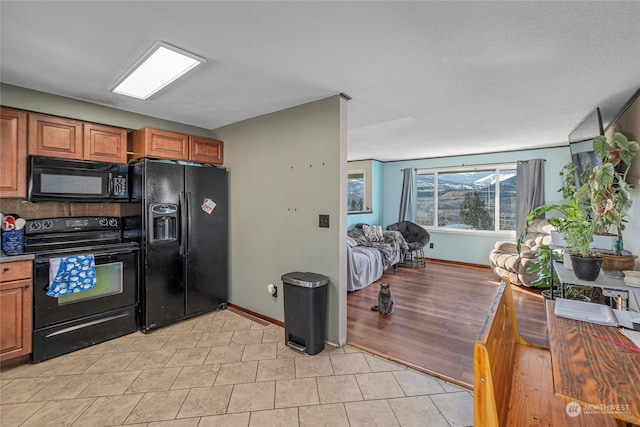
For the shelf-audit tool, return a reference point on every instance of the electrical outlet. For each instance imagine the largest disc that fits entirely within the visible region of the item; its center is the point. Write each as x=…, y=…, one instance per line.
x=430, y=245
x=324, y=221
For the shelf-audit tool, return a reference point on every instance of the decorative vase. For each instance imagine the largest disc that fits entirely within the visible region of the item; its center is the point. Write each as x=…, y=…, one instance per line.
x=586, y=268
x=613, y=265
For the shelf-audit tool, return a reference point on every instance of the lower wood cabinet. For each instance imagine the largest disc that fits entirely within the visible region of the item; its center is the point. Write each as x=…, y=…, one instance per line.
x=16, y=307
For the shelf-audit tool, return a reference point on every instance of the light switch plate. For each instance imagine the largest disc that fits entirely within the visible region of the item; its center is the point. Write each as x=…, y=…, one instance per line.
x=324, y=221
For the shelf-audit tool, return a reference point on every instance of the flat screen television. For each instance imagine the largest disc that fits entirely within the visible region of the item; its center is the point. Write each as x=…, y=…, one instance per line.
x=581, y=144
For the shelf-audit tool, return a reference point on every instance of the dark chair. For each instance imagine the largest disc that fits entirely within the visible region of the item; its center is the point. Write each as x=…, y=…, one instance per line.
x=416, y=237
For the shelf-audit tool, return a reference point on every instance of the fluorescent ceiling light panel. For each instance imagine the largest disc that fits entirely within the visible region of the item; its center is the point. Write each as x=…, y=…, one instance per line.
x=158, y=67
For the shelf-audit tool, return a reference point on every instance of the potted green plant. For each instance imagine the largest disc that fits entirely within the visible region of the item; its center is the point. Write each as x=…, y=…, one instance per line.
x=602, y=200
x=608, y=193
x=575, y=223
x=548, y=279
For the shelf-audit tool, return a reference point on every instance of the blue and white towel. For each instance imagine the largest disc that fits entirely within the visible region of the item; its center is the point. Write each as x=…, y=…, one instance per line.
x=71, y=274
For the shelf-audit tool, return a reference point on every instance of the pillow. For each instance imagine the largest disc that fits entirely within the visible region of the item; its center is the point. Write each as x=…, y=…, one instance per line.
x=373, y=233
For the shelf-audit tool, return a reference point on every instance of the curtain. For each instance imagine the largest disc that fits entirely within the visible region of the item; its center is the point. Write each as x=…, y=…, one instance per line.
x=529, y=190
x=408, y=202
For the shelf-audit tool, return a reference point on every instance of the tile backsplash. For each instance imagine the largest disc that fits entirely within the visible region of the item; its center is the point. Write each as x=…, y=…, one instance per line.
x=29, y=210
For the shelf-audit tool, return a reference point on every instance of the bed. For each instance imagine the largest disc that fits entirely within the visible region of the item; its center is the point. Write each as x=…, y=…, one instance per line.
x=367, y=260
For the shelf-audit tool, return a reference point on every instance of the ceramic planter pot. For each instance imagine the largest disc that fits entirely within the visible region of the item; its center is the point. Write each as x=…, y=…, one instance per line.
x=613, y=265
x=586, y=268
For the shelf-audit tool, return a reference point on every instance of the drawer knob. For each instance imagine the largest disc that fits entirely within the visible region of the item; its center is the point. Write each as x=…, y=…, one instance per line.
x=5, y=269
x=26, y=286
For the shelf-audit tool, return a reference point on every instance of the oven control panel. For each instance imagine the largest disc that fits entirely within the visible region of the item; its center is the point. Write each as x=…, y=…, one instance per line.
x=66, y=225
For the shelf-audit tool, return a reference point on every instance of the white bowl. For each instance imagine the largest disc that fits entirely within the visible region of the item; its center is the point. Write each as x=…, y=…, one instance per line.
x=632, y=278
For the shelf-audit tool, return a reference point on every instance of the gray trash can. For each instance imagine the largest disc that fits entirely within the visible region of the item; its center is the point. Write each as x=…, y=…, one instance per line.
x=305, y=311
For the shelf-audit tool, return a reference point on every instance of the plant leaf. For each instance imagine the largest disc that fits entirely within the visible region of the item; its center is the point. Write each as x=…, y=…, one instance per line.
x=601, y=146
x=628, y=150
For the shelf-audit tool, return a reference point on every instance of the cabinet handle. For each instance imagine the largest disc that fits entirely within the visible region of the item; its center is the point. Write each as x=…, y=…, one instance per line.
x=5, y=269
x=26, y=286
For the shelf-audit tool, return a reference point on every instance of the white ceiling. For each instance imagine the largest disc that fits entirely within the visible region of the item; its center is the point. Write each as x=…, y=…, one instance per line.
x=428, y=79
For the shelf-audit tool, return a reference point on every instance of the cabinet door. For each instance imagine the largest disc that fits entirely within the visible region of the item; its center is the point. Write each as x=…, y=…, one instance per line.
x=104, y=143
x=55, y=137
x=160, y=144
x=13, y=153
x=205, y=150
x=16, y=301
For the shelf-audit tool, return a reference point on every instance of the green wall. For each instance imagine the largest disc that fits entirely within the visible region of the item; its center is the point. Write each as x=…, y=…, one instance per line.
x=287, y=168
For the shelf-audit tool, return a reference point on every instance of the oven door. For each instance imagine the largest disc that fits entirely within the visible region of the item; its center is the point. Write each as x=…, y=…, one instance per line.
x=116, y=287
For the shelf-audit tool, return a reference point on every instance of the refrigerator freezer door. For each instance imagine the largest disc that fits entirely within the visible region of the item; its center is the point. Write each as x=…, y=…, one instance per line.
x=163, y=293
x=206, y=261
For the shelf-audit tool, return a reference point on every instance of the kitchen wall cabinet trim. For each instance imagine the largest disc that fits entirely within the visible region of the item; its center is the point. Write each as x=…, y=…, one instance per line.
x=13, y=146
x=16, y=303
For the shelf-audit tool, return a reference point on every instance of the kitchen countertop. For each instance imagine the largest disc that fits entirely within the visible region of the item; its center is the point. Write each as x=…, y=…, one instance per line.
x=11, y=258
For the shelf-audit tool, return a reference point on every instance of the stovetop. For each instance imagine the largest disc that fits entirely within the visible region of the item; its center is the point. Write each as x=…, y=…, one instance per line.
x=48, y=236
x=71, y=225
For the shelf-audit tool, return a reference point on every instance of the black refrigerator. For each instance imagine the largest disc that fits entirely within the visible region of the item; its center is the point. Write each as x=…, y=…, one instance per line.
x=184, y=239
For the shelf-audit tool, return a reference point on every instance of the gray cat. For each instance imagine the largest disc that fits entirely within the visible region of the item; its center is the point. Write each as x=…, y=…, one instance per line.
x=385, y=300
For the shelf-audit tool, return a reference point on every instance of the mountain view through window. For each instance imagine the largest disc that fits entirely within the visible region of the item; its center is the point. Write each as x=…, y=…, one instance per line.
x=467, y=200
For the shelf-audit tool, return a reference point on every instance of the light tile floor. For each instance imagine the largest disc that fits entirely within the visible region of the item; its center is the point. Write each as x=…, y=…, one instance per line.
x=224, y=369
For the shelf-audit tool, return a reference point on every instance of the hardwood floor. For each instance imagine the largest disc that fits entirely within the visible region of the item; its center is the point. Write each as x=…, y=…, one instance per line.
x=437, y=314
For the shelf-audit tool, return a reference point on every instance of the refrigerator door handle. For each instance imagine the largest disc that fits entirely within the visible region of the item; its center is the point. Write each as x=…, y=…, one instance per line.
x=184, y=214
x=188, y=217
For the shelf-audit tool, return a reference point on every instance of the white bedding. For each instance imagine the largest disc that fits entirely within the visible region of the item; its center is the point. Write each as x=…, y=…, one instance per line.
x=366, y=260
x=364, y=266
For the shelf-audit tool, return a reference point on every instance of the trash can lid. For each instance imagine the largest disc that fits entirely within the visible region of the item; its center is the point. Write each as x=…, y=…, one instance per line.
x=306, y=279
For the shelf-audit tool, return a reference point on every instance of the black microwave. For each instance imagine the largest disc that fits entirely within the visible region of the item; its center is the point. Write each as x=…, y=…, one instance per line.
x=61, y=180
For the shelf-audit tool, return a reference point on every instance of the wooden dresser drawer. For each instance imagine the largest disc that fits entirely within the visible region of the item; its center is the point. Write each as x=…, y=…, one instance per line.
x=15, y=270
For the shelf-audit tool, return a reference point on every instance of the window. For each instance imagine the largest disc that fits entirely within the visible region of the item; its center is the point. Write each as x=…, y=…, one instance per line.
x=468, y=198
x=355, y=191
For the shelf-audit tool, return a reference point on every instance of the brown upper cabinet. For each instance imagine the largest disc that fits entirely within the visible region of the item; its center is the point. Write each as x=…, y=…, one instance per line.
x=72, y=139
x=13, y=153
x=55, y=137
x=162, y=144
x=104, y=143
x=206, y=150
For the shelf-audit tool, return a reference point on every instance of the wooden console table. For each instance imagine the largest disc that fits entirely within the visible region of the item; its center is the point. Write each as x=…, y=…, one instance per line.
x=598, y=375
